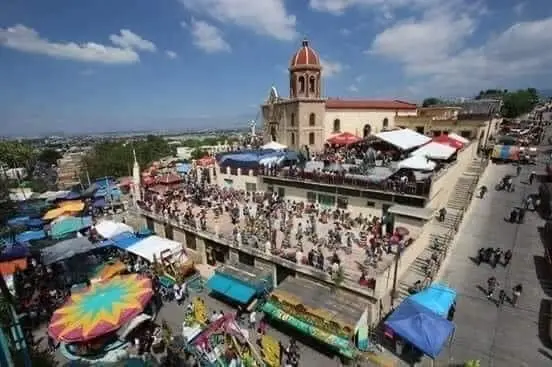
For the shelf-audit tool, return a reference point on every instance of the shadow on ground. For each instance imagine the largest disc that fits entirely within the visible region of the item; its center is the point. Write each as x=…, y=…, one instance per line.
x=545, y=323
x=544, y=274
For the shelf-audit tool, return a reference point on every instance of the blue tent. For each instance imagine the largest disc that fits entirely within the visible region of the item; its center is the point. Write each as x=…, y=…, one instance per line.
x=70, y=225
x=125, y=240
x=99, y=203
x=438, y=298
x=420, y=327
x=30, y=236
x=18, y=221
x=183, y=168
x=71, y=195
x=35, y=223
x=14, y=252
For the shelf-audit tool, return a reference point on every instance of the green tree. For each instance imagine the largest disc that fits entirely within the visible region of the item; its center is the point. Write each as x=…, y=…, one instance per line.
x=116, y=158
x=49, y=156
x=7, y=206
x=431, y=101
x=198, y=153
x=17, y=154
x=520, y=102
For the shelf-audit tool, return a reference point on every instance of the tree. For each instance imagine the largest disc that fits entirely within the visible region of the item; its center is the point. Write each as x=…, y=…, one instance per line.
x=520, y=102
x=116, y=158
x=17, y=154
x=49, y=156
x=198, y=153
x=431, y=101
x=7, y=206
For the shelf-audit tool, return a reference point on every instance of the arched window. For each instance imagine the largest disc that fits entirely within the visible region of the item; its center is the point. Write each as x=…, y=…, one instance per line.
x=292, y=140
x=301, y=84
x=273, y=135
x=311, y=139
x=312, y=119
x=312, y=84
x=385, y=123
x=337, y=126
x=292, y=119
x=367, y=130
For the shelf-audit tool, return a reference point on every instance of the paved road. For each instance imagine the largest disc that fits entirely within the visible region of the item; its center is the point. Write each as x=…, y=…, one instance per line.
x=504, y=336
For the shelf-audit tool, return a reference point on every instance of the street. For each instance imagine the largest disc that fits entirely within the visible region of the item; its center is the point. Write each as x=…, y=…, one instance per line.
x=505, y=335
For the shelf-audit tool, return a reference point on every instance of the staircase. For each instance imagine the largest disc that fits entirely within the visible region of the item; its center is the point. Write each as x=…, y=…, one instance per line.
x=443, y=232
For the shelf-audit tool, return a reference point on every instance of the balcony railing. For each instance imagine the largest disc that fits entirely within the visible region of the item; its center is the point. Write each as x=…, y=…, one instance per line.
x=420, y=188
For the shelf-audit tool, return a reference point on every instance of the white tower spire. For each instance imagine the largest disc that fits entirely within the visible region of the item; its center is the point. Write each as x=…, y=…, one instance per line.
x=136, y=188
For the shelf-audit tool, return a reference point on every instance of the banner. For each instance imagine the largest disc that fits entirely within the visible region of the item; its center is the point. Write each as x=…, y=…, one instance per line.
x=361, y=332
x=343, y=345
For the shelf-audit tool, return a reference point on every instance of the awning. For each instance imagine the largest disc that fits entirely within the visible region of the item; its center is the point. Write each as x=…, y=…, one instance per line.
x=417, y=163
x=109, y=228
x=154, y=247
x=438, y=298
x=341, y=344
x=344, y=138
x=404, y=139
x=231, y=288
x=435, y=150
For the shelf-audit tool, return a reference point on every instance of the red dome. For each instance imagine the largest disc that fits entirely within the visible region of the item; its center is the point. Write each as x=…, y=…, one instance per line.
x=305, y=56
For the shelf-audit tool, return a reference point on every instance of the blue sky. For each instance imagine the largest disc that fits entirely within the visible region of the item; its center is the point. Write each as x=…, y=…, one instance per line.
x=92, y=66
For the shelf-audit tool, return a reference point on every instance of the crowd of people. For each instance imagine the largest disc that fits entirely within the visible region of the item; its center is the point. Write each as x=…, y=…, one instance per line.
x=306, y=233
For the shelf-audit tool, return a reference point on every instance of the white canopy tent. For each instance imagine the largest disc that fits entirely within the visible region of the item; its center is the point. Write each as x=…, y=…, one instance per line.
x=274, y=146
x=417, y=163
x=109, y=229
x=153, y=246
x=404, y=139
x=459, y=138
x=435, y=150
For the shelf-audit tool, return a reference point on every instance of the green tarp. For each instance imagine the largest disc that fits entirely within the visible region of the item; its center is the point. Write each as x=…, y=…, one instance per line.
x=343, y=346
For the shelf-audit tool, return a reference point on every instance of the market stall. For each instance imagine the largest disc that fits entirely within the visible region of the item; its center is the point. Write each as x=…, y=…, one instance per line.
x=330, y=317
x=240, y=283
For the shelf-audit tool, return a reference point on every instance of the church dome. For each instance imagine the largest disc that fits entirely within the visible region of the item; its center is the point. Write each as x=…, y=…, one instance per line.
x=306, y=56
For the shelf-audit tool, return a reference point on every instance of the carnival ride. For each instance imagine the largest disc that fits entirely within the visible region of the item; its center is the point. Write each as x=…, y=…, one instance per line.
x=86, y=325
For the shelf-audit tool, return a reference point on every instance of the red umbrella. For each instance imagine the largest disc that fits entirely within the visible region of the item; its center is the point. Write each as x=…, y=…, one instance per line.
x=446, y=140
x=344, y=139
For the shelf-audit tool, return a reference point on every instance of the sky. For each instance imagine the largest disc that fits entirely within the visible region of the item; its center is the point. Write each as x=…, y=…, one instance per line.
x=96, y=65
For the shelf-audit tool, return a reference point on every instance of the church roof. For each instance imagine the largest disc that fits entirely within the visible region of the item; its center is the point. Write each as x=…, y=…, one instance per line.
x=360, y=104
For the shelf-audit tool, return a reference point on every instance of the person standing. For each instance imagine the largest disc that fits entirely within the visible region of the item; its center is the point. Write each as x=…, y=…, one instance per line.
x=516, y=293
x=501, y=298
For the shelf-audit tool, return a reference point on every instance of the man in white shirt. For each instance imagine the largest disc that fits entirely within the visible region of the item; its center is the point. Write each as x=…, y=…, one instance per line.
x=252, y=319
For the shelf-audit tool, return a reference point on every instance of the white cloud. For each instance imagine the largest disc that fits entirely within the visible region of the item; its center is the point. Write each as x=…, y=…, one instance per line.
x=132, y=41
x=264, y=17
x=331, y=68
x=353, y=88
x=338, y=7
x=184, y=24
x=24, y=39
x=441, y=58
x=171, y=54
x=208, y=37
x=519, y=8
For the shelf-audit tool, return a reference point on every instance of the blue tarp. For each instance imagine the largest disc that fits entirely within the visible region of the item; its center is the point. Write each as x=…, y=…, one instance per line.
x=183, y=168
x=99, y=203
x=70, y=225
x=67, y=249
x=231, y=288
x=14, y=252
x=35, y=223
x=144, y=232
x=420, y=327
x=18, y=221
x=125, y=240
x=438, y=298
x=30, y=236
x=71, y=195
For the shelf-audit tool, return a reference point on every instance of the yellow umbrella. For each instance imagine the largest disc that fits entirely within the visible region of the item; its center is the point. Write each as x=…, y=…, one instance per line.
x=72, y=206
x=109, y=270
x=54, y=213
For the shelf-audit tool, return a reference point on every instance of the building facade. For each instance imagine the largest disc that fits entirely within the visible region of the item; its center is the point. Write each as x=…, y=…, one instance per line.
x=307, y=118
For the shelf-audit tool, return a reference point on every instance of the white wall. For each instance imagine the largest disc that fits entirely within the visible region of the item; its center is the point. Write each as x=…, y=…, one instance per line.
x=353, y=121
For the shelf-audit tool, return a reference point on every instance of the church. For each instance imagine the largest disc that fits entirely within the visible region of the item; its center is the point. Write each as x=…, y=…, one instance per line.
x=307, y=118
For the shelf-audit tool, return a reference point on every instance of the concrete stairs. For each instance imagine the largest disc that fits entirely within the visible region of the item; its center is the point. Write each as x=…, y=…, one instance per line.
x=442, y=232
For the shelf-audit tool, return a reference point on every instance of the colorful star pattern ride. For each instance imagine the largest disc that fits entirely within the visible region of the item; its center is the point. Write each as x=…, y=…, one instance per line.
x=101, y=309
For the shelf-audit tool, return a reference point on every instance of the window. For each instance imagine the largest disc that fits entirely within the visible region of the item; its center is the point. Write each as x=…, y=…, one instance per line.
x=270, y=188
x=228, y=183
x=191, y=241
x=292, y=139
x=246, y=259
x=301, y=84
x=385, y=123
x=326, y=200
x=312, y=119
x=465, y=134
x=311, y=139
x=342, y=202
x=281, y=192
x=312, y=84
x=292, y=119
x=370, y=204
x=437, y=133
x=273, y=135
x=250, y=187
x=311, y=197
x=420, y=130
x=367, y=130
x=337, y=126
